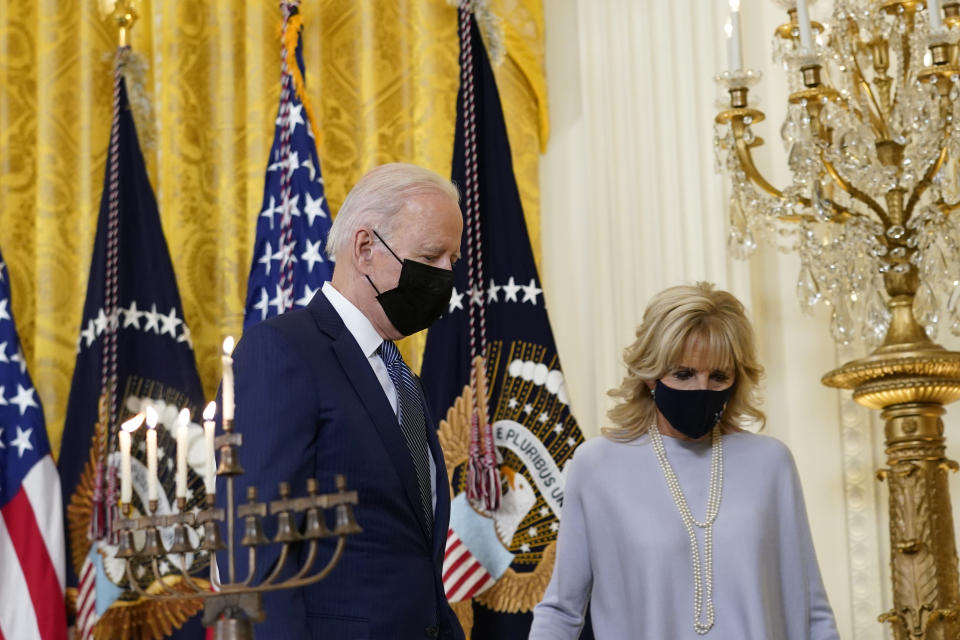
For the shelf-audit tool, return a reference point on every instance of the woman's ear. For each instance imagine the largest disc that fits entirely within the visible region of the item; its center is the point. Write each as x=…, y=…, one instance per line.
x=650, y=384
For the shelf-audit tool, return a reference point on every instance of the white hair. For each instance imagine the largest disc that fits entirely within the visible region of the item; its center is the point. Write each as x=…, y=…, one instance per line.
x=381, y=194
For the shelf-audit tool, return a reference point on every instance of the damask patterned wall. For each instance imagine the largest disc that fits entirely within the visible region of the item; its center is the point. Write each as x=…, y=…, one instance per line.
x=382, y=75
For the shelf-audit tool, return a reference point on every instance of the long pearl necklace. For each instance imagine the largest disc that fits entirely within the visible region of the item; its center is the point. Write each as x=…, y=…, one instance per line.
x=702, y=582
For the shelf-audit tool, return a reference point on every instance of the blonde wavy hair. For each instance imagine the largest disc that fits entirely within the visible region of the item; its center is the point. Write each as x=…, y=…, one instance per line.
x=674, y=318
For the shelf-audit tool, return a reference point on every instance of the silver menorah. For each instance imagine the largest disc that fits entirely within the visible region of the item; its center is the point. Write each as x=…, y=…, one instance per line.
x=235, y=606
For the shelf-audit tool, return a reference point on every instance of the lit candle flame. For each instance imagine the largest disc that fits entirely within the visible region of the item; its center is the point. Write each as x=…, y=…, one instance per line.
x=228, y=345
x=152, y=417
x=728, y=28
x=734, y=5
x=184, y=416
x=133, y=423
x=210, y=411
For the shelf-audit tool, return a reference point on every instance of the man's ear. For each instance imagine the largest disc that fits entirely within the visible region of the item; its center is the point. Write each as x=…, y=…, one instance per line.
x=363, y=242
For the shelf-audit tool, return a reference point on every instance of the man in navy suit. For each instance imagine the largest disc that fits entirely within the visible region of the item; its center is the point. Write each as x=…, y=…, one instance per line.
x=322, y=391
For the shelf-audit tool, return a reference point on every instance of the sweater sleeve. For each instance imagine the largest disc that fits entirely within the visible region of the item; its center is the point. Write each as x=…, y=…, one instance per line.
x=560, y=616
x=822, y=625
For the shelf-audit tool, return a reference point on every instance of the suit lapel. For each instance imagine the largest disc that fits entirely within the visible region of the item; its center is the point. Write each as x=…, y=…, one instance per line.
x=374, y=401
x=441, y=518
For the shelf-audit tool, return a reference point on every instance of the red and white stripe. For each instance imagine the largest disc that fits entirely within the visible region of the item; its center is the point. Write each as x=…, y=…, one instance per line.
x=86, y=601
x=33, y=559
x=463, y=575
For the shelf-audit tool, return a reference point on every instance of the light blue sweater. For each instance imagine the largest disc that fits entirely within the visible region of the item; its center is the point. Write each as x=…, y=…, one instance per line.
x=623, y=549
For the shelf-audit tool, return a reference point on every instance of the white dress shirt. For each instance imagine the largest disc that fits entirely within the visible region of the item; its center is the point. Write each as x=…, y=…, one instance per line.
x=369, y=340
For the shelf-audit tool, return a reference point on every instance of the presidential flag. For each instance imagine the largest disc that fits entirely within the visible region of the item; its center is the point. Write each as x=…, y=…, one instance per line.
x=289, y=265
x=501, y=545
x=31, y=517
x=134, y=350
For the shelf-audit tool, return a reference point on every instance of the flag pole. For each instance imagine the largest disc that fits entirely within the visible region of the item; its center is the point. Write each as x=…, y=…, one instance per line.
x=124, y=13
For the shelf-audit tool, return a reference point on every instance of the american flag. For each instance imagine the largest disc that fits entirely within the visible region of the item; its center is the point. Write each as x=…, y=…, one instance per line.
x=289, y=265
x=464, y=575
x=32, y=551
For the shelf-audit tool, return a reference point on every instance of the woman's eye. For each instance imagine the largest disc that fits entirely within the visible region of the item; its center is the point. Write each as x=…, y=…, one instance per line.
x=683, y=374
x=720, y=376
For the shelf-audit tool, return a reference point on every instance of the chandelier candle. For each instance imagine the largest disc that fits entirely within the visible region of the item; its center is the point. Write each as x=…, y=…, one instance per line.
x=803, y=21
x=936, y=20
x=732, y=29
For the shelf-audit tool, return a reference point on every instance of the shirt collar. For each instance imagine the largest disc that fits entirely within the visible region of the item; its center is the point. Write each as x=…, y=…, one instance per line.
x=358, y=324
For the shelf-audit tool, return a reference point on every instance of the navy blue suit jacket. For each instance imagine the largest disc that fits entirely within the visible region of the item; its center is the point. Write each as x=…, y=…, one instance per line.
x=310, y=406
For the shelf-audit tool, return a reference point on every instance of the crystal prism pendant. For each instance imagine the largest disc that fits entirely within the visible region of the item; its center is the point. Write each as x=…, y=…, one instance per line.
x=840, y=323
x=877, y=319
x=807, y=290
x=925, y=309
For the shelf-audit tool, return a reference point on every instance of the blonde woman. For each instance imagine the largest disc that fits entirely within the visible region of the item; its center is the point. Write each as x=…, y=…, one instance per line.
x=678, y=523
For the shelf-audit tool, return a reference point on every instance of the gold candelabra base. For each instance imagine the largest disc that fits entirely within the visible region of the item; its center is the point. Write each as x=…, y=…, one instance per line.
x=911, y=383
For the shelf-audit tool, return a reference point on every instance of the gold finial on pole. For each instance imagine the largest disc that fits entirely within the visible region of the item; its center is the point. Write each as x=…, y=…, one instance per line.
x=124, y=13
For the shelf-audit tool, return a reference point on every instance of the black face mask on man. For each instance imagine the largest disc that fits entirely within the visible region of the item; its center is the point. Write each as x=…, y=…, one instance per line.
x=692, y=412
x=420, y=297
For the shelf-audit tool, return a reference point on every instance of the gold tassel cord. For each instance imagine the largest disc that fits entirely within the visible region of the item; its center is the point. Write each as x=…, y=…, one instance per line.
x=290, y=39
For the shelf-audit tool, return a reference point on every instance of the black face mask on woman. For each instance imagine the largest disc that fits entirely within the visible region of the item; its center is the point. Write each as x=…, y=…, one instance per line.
x=692, y=412
x=420, y=297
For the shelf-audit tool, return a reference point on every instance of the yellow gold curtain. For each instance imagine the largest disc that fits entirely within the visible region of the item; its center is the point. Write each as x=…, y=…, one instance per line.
x=382, y=76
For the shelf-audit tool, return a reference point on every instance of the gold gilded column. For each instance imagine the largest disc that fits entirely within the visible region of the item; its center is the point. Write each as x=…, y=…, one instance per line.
x=872, y=148
x=910, y=379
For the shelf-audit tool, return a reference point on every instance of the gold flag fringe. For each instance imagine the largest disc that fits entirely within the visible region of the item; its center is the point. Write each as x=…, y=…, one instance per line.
x=290, y=45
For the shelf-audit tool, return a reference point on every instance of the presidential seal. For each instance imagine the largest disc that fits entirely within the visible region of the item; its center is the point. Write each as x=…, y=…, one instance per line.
x=504, y=558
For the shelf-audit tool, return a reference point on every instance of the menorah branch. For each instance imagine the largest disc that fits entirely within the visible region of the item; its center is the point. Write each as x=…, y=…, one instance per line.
x=234, y=605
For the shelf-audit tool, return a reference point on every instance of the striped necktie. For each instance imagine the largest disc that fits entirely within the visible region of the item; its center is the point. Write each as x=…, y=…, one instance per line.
x=412, y=422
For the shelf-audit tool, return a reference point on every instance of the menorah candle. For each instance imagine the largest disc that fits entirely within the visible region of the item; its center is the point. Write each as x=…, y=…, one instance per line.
x=151, y=454
x=182, y=433
x=803, y=21
x=209, y=435
x=126, y=429
x=732, y=29
x=227, y=382
x=936, y=20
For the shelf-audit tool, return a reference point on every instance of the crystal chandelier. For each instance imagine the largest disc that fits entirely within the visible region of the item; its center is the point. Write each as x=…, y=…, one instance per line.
x=874, y=157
